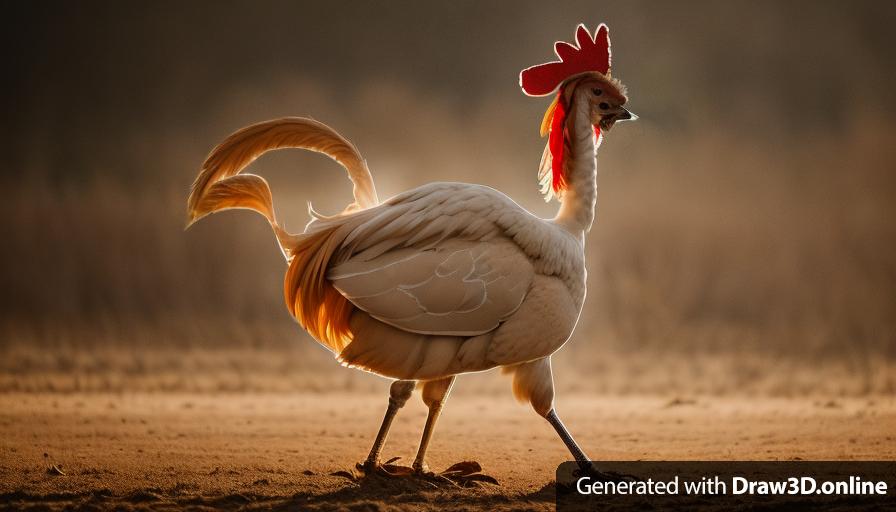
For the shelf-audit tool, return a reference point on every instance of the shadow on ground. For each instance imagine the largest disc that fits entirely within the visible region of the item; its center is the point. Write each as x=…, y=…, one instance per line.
x=368, y=494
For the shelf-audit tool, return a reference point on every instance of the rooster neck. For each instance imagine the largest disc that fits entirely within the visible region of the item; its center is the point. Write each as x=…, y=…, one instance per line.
x=578, y=200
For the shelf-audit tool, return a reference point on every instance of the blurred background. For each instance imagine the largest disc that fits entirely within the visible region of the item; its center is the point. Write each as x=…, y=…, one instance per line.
x=745, y=239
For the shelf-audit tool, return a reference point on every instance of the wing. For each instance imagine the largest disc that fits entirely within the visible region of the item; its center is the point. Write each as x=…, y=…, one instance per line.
x=429, y=215
x=446, y=258
x=454, y=287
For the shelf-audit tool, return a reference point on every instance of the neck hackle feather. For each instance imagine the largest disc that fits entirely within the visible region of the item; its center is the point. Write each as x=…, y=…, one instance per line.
x=589, y=54
x=552, y=174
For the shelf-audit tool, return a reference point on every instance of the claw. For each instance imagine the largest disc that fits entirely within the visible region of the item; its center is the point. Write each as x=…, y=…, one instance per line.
x=395, y=470
x=467, y=474
x=467, y=467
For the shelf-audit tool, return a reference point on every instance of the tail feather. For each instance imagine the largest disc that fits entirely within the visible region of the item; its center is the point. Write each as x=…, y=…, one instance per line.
x=249, y=192
x=311, y=299
x=219, y=185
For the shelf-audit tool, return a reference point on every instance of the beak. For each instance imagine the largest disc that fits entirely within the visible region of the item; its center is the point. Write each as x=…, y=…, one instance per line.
x=626, y=115
x=618, y=114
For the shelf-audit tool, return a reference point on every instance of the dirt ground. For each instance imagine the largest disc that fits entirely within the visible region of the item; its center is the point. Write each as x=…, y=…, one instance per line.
x=278, y=450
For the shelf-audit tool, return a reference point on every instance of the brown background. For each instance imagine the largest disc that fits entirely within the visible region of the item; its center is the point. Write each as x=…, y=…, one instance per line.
x=742, y=269
x=745, y=228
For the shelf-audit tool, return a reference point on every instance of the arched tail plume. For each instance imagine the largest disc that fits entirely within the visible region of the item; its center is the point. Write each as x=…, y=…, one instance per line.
x=220, y=185
x=311, y=299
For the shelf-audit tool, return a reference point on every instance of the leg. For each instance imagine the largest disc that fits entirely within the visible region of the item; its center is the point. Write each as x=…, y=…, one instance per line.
x=435, y=392
x=398, y=395
x=570, y=443
x=463, y=474
x=534, y=382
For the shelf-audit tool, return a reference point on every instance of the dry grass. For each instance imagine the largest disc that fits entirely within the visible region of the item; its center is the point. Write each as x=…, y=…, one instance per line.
x=737, y=261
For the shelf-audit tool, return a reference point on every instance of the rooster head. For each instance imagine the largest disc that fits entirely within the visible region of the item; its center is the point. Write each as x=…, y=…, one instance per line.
x=583, y=68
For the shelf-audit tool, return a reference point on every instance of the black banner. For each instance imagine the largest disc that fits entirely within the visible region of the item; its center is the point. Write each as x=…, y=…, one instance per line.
x=800, y=485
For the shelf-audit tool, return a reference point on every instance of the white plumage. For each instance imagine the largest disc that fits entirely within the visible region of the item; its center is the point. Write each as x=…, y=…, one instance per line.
x=440, y=280
x=448, y=262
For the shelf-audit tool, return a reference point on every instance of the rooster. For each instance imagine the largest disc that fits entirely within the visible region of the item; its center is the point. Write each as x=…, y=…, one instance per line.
x=447, y=278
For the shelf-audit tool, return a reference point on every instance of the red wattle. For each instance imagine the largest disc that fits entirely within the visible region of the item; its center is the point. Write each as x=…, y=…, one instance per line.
x=556, y=143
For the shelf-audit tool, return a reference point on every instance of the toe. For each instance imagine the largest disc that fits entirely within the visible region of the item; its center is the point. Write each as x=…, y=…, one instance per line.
x=467, y=474
x=388, y=468
x=467, y=467
x=395, y=470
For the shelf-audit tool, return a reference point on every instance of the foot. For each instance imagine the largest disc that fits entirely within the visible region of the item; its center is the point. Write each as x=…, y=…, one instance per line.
x=462, y=474
x=466, y=474
x=388, y=468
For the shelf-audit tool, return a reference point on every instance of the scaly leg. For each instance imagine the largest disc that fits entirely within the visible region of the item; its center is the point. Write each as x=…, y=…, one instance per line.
x=464, y=474
x=398, y=395
x=435, y=392
x=570, y=443
x=534, y=381
x=585, y=465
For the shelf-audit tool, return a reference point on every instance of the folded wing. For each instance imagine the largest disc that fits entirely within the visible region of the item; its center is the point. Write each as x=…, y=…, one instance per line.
x=450, y=259
x=454, y=287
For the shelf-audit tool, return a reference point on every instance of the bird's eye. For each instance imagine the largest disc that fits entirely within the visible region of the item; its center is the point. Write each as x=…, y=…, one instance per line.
x=603, y=105
x=597, y=91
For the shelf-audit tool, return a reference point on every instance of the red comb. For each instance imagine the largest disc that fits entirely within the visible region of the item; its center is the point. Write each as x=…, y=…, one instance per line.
x=591, y=54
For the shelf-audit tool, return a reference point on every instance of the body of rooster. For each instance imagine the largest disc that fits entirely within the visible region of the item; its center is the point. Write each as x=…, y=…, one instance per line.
x=447, y=278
